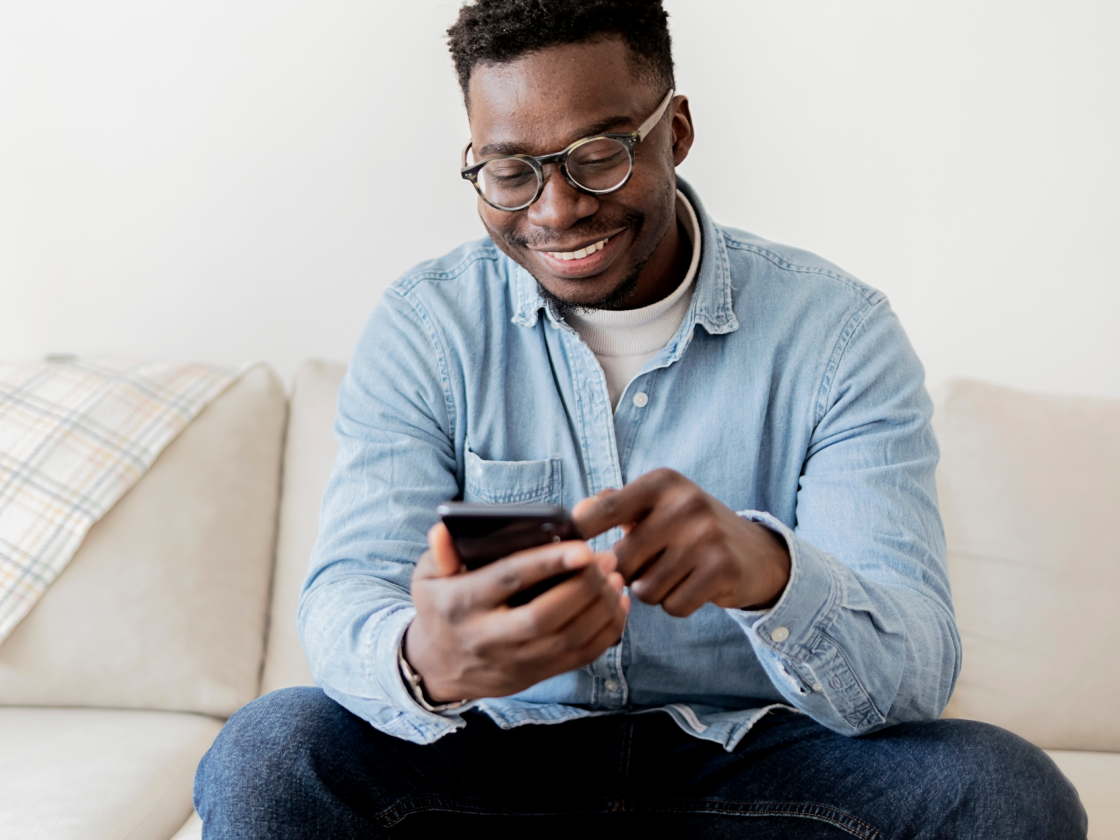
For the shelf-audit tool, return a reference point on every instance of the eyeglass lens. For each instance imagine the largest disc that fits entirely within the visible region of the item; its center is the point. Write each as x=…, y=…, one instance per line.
x=599, y=165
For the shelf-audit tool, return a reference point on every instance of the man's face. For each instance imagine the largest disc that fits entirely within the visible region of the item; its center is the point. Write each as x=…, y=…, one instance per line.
x=539, y=104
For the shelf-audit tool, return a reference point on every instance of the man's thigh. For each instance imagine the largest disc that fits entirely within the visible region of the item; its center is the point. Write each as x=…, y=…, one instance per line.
x=792, y=777
x=296, y=764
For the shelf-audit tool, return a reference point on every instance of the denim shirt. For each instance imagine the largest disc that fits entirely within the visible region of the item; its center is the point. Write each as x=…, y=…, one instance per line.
x=790, y=393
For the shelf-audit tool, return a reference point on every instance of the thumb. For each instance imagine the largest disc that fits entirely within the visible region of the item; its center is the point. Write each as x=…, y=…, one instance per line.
x=441, y=559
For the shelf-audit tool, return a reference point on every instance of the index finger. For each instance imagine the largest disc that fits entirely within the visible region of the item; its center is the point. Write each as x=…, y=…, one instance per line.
x=611, y=508
x=494, y=584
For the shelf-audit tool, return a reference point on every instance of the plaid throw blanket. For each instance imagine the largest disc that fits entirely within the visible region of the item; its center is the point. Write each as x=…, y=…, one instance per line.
x=74, y=437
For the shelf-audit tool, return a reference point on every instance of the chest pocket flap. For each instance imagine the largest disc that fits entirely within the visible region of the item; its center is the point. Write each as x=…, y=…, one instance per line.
x=512, y=482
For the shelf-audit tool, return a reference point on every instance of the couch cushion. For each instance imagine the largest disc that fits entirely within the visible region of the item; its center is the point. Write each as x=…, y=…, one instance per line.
x=1029, y=486
x=191, y=829
x=89, y=774
x=164, y=605
x=1097, y=779
x=309, y=454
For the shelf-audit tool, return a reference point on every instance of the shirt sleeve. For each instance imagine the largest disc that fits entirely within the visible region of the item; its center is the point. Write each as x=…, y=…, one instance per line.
x=396, y=463
x=864, y=635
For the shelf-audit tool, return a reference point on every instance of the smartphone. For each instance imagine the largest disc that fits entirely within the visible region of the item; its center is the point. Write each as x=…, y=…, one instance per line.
x=485, y=533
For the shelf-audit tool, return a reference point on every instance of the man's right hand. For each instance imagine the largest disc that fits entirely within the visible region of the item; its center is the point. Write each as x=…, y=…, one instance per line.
x=466, y=642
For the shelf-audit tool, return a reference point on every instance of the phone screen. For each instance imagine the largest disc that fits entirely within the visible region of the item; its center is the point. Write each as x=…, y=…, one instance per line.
x=485, y=533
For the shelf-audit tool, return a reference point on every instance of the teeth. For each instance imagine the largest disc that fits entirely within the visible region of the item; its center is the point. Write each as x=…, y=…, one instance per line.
x=581, y=253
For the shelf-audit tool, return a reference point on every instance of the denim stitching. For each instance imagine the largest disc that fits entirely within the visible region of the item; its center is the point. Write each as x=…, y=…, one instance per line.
x=440, y=350
x=406, y=284
x=566, y=344
x=844, y=821
x=541, y=493
x=867, y=707
x=870, y=295
x=803, y=810
x=824, y=616
x=624, y=763
x=549, y=489
x=433, y=802
x=649, y=385
x=842, y=345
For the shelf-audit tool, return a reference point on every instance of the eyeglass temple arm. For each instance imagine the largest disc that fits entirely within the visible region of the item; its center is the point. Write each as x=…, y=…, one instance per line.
x=648, y=125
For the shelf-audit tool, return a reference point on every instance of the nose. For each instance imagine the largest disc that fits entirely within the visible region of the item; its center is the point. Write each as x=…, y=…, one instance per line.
x=561, y=205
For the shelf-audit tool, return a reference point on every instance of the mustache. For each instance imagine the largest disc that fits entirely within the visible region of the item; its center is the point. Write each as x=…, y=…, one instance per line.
x=596, y=227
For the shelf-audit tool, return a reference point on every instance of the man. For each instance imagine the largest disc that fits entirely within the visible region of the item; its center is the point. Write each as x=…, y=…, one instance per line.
x=758, y=637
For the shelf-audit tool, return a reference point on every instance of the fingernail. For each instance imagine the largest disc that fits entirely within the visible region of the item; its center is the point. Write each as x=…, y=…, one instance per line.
x=608, y=562
x=577, y=557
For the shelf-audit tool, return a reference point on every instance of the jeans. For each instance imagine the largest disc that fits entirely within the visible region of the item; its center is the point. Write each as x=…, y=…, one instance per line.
x=295, y=764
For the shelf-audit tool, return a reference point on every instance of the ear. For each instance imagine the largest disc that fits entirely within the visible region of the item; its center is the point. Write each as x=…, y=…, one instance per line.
x=682, y=130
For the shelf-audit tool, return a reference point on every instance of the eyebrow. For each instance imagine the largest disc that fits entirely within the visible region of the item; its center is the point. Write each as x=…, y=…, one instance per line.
x=600, y=127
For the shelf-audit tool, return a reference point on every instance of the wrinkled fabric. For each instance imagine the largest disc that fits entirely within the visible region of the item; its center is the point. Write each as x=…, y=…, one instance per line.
x=277, y=771
x=790, y=393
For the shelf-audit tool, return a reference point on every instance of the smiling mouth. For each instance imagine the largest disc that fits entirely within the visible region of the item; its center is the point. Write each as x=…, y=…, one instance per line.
x=581, y=253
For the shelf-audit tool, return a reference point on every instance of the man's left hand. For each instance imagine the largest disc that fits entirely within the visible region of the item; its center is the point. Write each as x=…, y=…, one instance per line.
x=684, y=548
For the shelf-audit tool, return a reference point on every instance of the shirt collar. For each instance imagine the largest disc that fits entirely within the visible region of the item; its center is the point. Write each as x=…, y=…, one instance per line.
x=711, y=305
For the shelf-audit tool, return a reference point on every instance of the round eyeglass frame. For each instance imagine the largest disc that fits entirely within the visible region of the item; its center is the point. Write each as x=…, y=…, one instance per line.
x=628, y=139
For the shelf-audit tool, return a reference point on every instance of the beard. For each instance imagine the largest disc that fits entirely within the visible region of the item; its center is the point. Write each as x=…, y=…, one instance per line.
x=596, y=227
x=615, y=299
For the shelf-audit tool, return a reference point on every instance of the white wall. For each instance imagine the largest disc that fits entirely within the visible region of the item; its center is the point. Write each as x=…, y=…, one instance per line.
x=233, y=181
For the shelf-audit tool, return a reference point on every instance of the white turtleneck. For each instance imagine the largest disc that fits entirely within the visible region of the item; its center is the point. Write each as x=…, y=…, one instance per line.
x=623, y=340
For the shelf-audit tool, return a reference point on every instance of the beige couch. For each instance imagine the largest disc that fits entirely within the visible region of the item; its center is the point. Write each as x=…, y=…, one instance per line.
x=180, y=605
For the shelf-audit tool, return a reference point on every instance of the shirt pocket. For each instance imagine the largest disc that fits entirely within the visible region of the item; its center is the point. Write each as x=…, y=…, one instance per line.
x=512, y=482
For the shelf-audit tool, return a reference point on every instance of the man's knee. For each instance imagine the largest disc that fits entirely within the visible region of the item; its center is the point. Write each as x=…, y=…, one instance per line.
x=264, y=752
x=992, y=783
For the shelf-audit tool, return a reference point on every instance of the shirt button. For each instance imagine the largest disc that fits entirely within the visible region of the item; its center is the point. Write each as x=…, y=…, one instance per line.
x=779, y=634
x=611, y=686
x=640, y=399
x=816, y=686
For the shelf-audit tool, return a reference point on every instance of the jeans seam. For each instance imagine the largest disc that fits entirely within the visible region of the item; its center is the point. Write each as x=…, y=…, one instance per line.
x=804, y=810
x=624, y=763
x=432, y=802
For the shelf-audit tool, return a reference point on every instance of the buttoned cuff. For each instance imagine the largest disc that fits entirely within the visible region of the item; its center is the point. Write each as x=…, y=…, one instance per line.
x=810, y=601
x=387, y=675
x=793, y=639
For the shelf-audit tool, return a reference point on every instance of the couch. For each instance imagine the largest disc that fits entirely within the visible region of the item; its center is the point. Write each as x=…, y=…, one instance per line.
x=179, y=606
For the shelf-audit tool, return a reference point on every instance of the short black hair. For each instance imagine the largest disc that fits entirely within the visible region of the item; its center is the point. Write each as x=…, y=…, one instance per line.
x=499, y=31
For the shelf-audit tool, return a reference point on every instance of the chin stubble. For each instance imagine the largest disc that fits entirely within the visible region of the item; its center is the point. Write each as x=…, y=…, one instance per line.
x=616, y=299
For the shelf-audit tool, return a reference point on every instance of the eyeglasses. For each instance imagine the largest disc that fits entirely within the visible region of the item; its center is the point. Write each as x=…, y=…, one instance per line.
x=597, y=165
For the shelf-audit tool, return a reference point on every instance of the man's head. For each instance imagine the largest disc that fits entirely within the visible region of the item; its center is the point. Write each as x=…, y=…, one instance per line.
x=538, y=75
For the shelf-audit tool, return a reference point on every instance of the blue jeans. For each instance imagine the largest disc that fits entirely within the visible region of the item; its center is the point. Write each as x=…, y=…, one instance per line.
x=296, y=764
